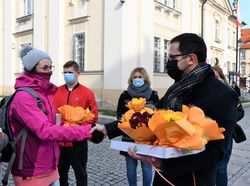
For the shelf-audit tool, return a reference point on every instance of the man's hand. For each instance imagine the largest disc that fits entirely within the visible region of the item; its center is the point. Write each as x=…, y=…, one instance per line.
x=99, y=128
x=155, y=162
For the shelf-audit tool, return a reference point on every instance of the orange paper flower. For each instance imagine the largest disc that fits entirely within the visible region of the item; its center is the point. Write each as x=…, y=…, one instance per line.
x=142, y=135
x=210, y=128
x=189, y=129
x=137, y=104
x=75, y=115
x=135, y=122
x=173, y=130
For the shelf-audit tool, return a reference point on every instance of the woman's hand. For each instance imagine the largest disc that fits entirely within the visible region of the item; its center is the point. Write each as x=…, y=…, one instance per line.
x=99, y=128
x=155, y=162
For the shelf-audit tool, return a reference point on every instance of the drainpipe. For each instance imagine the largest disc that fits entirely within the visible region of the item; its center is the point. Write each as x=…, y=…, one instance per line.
x=202, y=12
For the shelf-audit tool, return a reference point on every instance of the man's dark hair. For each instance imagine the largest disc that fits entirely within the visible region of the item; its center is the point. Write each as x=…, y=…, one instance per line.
x=72, y=64
x=191, y=43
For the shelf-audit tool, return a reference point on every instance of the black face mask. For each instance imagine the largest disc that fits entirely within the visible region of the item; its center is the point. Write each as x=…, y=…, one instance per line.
x=173, y=71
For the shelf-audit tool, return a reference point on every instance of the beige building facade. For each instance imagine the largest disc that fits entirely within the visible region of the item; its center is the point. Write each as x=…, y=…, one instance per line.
x=108, y=38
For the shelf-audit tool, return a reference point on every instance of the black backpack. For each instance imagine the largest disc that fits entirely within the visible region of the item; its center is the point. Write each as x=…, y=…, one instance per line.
x=8, y=142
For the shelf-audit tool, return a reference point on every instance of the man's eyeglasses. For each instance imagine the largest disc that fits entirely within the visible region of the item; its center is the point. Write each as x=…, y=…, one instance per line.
x=48, y=68
x=172, y=57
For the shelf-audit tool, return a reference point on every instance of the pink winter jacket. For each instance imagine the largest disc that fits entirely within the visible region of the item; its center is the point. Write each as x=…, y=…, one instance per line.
x=41, y=151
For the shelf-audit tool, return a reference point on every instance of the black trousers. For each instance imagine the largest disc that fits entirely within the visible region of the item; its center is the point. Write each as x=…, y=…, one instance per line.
x=76, y=157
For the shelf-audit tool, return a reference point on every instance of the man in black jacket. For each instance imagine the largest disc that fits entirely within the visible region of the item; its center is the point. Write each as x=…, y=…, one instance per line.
x=195, y=84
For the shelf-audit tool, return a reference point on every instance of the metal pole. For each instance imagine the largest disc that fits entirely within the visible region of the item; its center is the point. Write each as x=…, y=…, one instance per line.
x=237, y=50
x=235, y=4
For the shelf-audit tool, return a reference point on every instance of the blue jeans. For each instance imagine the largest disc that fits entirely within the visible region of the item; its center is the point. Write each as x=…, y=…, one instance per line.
x=147, y=172
x=55, y=183
x=221, y=175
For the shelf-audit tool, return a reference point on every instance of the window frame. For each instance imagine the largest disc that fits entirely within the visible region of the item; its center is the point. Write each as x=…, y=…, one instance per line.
x=157, y=54
x=78, y=49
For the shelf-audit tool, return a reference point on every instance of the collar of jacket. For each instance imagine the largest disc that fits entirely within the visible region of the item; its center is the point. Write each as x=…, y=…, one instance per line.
x=77, y=85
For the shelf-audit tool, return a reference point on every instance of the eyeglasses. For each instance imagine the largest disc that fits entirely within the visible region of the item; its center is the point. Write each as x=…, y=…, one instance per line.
x=172, y=57
x=48, y=68
x=137, y=77
x=68, y=72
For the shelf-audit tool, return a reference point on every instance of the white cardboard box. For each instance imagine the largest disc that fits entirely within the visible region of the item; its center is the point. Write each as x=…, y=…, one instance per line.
x=149, y=150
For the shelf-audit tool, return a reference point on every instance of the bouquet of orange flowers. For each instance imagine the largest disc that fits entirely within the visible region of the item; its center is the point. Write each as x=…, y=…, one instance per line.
x=135, y=122
x=189, y=129
x=75, y=115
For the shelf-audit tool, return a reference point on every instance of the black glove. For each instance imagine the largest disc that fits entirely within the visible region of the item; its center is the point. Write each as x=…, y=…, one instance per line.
x=97, y=136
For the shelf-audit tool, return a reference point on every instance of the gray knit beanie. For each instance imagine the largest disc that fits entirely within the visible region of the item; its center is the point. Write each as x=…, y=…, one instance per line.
x=30, y=57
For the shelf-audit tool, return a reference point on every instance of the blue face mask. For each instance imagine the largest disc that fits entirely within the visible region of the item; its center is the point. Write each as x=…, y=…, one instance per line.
x=138, y=82
x=69, y=78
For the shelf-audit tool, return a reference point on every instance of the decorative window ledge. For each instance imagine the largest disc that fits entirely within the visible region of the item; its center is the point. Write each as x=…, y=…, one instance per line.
x=23, y=32
x=79, y=19
x=217, y=40
x=24, y=19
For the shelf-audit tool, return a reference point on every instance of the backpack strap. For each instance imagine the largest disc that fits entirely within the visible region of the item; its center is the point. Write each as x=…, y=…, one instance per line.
x=23, y=133
x=35, y=95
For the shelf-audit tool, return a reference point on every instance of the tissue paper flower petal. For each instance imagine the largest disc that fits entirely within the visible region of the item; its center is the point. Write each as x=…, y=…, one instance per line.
x=127, y=116
x=187, y=130
x=142, y=135
x=210, y=128
x=170, y=134
x=186, y=126
x=193, y=142
x=137, y=104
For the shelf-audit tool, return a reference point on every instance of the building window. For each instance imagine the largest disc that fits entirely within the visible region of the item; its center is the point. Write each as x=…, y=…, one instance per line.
x=174, y=4
x=234, y=40
x=217, y=30
x=166, y=42
x=78, y=49
x=25, y=7
x=157, y=54
x=243, y=69
x=242, y=54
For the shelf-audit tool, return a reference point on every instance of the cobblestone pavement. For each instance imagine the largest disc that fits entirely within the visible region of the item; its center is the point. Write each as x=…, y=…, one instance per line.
x=107, y=168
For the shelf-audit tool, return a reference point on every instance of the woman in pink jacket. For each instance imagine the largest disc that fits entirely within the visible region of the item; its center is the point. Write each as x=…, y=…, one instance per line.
x=41, y=151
